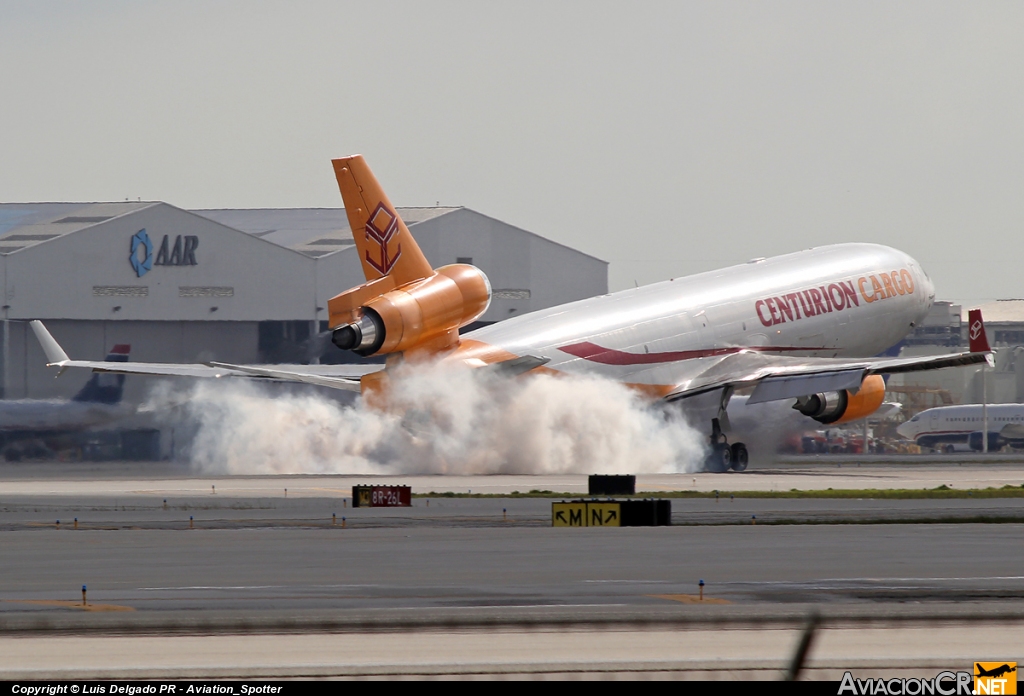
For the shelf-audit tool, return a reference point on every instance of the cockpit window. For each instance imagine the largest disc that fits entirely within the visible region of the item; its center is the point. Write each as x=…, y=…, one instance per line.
x=914, y=419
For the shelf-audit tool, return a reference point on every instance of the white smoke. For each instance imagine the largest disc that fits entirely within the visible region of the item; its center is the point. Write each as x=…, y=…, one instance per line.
x=767, y=428
x=438, y=420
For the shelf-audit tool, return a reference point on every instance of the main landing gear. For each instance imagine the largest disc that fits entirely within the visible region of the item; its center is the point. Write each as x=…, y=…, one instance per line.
x=724, y=456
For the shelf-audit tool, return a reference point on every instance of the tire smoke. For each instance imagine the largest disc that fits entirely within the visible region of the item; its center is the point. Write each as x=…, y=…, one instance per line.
x=438, y=421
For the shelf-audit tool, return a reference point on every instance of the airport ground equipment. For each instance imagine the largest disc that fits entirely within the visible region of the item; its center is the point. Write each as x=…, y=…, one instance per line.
x=381, y=496
x=611, y=513
x=611, y=484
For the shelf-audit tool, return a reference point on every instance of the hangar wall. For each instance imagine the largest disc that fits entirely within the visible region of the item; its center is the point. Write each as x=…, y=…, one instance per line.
x=191, y=288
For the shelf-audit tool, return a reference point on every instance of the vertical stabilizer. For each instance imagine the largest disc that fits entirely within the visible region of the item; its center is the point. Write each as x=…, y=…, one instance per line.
x=976, y=332
x=386, y=248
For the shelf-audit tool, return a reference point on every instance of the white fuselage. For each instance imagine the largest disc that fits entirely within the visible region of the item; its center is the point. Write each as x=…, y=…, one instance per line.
x=40, y=415
x=844, y=300
x=954, y=424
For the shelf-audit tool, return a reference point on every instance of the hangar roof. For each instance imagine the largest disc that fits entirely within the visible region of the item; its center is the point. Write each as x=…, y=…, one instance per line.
x=312, y=231
x=26, y=224
x=1000, y=311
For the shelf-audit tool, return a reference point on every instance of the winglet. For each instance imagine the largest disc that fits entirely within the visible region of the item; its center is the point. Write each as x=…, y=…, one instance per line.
x=976, y=332
x=55, y=355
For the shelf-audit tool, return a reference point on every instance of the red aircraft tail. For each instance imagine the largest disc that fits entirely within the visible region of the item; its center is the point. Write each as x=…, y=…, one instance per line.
x=976, y=332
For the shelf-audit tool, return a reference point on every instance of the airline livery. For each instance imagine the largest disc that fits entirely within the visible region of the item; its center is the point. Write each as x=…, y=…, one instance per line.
x=949, y=427
x=800, y=326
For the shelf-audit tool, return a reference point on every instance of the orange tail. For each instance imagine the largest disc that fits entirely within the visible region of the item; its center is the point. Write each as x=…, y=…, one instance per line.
x=385, y=246
x=404, y=305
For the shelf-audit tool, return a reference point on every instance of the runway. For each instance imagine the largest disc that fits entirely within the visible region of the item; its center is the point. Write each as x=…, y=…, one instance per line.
x=813, y=473
x=226, y=512
x=356, y=569
x=747, y=652
x=267, y=584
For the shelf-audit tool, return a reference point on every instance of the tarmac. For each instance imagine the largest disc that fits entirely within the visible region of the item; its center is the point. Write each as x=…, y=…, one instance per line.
x=819, y=472
x=266, y=584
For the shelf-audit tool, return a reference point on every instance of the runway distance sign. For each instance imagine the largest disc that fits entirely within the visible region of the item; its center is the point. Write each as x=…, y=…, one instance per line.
x=381, y=496
x=582, y=514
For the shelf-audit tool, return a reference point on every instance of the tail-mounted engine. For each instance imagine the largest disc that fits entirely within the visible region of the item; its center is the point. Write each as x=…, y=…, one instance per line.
x=379, y=318
x=843, y=406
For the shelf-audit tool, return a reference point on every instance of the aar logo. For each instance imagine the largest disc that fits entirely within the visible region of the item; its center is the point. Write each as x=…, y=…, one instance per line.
x=181, y=253
x=142, y=253
x=381, y=228
x=975, y=330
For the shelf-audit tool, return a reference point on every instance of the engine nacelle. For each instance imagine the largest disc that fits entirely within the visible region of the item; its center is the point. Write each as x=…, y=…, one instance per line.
x=844, y=406
x=423, y=314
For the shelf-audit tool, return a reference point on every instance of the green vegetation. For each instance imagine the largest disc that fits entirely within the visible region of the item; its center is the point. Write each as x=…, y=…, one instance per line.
x=977, y=519
x=940, y=492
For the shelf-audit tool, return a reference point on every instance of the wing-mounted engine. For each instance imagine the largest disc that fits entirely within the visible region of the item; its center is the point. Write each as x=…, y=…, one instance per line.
x=377, y=318
x=844, y=405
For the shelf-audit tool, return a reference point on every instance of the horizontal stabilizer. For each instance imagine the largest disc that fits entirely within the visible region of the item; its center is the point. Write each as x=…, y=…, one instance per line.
x=345, y=383
x=335, y=376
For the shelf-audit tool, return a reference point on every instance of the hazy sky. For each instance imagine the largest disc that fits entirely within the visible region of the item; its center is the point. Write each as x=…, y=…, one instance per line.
x=667, y=138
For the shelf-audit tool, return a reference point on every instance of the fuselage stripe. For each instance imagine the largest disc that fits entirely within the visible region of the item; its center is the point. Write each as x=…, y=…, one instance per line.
x=609, y=356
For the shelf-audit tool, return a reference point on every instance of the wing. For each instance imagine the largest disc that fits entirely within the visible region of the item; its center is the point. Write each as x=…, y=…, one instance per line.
x=335, y=376
x=783, y=377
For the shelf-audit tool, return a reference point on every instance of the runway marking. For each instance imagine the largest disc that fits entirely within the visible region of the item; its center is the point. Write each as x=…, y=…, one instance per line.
x=832, y=580
x=252, y=587
x=689, y=599
x=69, y=604
x=638, y=582
x=519, y=606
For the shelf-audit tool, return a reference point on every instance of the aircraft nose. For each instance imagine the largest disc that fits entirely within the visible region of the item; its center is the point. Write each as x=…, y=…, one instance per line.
x=904, y=430
x=927, y=284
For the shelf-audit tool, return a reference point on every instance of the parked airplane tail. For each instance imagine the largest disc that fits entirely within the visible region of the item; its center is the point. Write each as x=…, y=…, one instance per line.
x=385, y=246
x=976, y=332
x=105, y=387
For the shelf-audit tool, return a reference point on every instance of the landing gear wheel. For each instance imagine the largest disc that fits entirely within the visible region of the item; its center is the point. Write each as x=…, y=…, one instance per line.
x=720, y=459
x=739, y=456
x=949, y=449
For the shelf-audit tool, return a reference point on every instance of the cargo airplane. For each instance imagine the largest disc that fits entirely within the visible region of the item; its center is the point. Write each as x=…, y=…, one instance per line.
x=802, y=326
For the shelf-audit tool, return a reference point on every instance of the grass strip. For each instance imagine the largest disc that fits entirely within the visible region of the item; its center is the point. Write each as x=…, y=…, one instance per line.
x=974, y=519
x=942, y=492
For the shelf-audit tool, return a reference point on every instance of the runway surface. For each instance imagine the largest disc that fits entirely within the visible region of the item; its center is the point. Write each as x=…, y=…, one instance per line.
x=169, y=479
x=342, y=569
x=265, y=583
x=136, y=512
x=739, y=652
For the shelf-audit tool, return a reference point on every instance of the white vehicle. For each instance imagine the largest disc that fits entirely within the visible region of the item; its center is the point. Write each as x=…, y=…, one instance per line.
x=960, y=428
x=802, y=326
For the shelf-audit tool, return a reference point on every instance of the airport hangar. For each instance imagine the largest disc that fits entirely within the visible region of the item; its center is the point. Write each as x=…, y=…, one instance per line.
x=237, y=286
